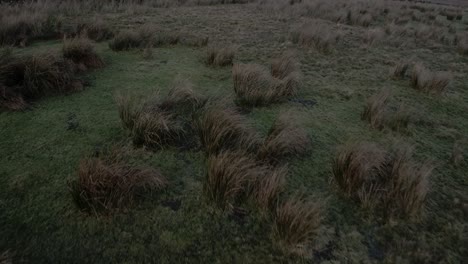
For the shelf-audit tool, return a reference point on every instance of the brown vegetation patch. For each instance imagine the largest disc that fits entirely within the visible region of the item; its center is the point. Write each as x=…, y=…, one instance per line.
x=106, y=183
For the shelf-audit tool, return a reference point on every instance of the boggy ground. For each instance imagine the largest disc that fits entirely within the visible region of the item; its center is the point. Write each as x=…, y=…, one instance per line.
x=40, y=150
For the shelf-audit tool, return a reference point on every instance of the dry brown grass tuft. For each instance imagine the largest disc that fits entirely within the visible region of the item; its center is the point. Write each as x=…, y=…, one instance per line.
x=375, y=110
x=228, y=176
x=255, y=86
x=374, y=36
x=399, y=71
x=284, y=66
x=97, y=29
x=219, y=56
x=80, y=50
x=109, y=183
x=317, y=35
x=457, y=154
x=407, y=184
x=432, y=82
x=221, y=127
x=286, y=69
x=129, y=108
x=10, y=100
x=157, y=121
x=182, y=97
x=462, y=45
x=389, y=180
x=126, y=40
x=285, y=138
x=296, y=222
x=23, y=79
x=269, y=186
x=21, y=27
x=356, y=166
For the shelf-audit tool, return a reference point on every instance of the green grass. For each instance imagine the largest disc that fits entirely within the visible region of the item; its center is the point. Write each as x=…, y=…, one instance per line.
x=39, y=154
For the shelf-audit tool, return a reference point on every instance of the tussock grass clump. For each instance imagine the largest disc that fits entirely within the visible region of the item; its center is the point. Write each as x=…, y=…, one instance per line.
x=399, y=71
x=269, y=186
x=457, y=154
x=10, y=100
x=80, y=50
x=223, y=128
x=374, y=36
x=219, y=56
x=285, y=69
x=126, y=40
x=228, y=176
x=26, y=78
x=388, y=180
x=356, y=166
x=296, y=223
x=151, y=35
x=317, y=35
x=109, y=183
x=158, y=122
x=97, y=29
x=255, y=86
x=20, y=28
x=407, y=184
x=432, y=82
x=379, y=114
x=286, y=138
x=462, y=45
x=375, y=110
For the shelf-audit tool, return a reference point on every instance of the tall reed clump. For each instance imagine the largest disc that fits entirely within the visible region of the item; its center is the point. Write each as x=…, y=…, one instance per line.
x=316, y=34
x=390, y=181
x=27, y=78
x=107, y=183
x=219, y=56
x=378, y=113
x=286, y=138
x=81, y=51
x=424, y=80
x=159, y=122
x=255, y=86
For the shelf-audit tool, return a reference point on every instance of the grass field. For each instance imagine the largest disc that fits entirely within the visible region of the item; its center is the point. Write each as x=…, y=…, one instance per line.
x=42, y=145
